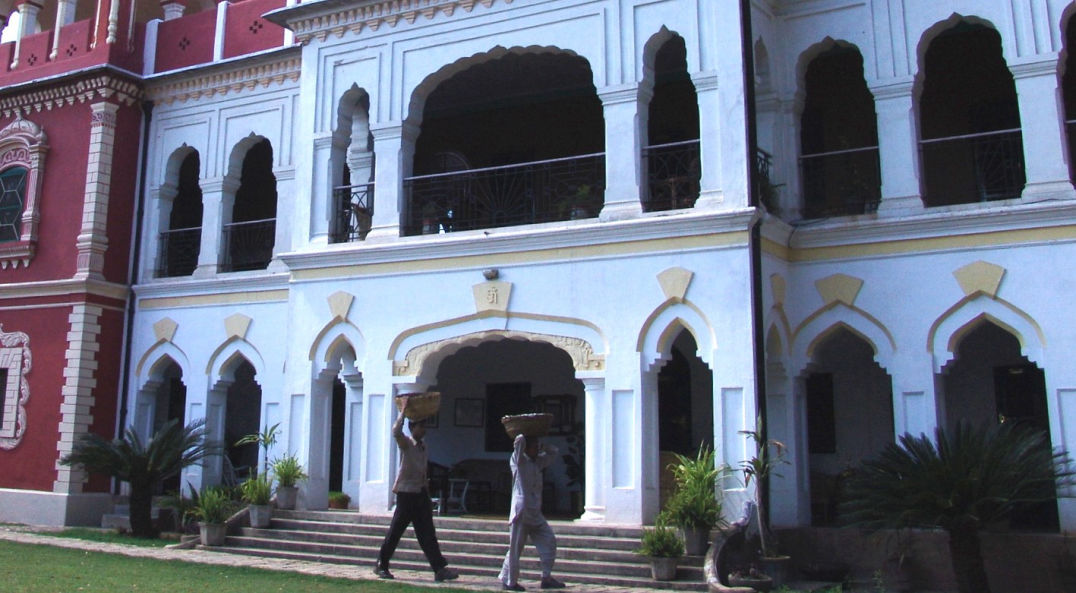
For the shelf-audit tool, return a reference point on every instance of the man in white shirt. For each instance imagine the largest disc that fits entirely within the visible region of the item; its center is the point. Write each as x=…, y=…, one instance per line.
x=525, y=519
x=413, y=504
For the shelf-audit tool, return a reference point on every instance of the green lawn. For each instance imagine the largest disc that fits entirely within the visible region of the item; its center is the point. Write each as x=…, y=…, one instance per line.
x=28, y=568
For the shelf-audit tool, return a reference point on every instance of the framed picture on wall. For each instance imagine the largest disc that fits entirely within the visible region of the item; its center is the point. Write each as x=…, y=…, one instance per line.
x=470, y=412
x=431, y=422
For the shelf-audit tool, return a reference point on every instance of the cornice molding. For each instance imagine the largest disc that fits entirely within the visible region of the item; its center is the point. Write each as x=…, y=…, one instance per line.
x=94, y=88
x=243, y=77
x=318, y=20
x=55, y=288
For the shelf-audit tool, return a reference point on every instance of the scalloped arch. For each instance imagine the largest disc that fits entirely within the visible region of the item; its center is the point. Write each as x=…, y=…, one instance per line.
x=223, y=361
x=950, y=327
x=819, y=326
x=665, y=322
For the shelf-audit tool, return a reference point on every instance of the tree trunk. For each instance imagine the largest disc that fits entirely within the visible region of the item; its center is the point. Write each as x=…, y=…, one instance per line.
x=141, y=503
x=967, y=559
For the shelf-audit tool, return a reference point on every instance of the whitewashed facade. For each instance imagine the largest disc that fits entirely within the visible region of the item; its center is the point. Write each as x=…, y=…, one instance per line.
x=457, y=310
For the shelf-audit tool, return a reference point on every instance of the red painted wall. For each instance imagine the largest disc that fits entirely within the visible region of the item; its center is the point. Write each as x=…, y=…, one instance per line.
x=121, y=200
x=30, y=465
x=186, y=41
x=246, y=32
x=60, y=201
x=106, y=394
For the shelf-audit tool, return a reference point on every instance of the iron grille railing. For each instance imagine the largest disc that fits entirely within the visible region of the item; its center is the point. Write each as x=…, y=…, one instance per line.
x=177, y=252
x=841, y=182
x=971, y=168
x=354, y=206
x=509, y=195
x=673, y=175
x=249, y=245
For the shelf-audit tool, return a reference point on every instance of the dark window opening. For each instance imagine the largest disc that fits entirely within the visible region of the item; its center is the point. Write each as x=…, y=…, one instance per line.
x=821, y=421
x=672, y=156
x=12, y=203
x=182, y=242
x=250, y=236
x=971, y=146
x=839, y=137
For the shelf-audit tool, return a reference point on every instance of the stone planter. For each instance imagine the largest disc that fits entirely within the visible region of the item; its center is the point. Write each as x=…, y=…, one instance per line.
x=663, y=569
x=285, y=497
x=260, y=515
x=213, y=534
x=775, y=567
x=696, y=540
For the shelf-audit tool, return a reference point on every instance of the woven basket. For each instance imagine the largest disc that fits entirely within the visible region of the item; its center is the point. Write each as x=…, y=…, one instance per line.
x=418, y=406
x=532, y=425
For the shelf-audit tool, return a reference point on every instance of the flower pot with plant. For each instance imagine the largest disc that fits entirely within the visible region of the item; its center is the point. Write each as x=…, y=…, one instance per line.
x=257, y=491
x=339, y=500
x=758, y=470
x=212, y=509
x=288, y=472
x=664, y=548
x=694, y=505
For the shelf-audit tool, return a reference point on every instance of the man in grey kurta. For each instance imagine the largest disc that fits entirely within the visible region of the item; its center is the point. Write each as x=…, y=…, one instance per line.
x=525, y=518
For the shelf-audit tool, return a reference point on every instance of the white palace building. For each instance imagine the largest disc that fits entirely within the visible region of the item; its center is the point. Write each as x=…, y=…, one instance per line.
x=657, y=219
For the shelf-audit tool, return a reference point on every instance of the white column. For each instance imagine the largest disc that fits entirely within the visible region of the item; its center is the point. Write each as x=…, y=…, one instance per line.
x=624, y=175
x=65, y=15
x=27, y=20
x=218, y=196
x=711, y=192
x=1042, y=121
x=898, y=147
x=218, y=37
x=915, y=395
x=596, y=458
x=394, y=148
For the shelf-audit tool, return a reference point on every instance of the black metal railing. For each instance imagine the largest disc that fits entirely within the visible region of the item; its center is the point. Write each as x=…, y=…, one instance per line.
x=354, y=207
x=972, y=168
x=177, y=252
x=673, y=175
x=509, y=195
x=249, y=245
x=841, y=182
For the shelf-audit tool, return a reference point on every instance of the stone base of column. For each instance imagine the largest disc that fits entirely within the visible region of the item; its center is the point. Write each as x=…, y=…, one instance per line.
x=900, y=205
x=1048, y=190
x=592, y=513
x=205, y=271
x=620, y=211
x=383, y=234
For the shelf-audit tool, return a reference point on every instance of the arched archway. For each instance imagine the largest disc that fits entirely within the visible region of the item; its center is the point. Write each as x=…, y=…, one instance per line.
x=352, y=165
x=990, y=381
x=848, y=400
x=250, y=227
x=672, y=152
x=482, y=382
x=181, y=213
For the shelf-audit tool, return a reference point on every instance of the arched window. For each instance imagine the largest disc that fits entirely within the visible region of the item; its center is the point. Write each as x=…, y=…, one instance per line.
x=250, y=236
x=971, y=144
x=672, y=156
x=1068, y=89
x=839, y=137
x=182, y=241
x=12, y=203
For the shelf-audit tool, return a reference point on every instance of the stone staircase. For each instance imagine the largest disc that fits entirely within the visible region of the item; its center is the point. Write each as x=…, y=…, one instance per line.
x=591, y=554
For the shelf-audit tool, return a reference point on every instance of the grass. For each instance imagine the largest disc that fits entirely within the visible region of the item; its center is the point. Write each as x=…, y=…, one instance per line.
x=29, y=568
x=108, y=536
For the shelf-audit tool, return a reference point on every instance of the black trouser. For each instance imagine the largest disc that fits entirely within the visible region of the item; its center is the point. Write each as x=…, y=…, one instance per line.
x=413, y=508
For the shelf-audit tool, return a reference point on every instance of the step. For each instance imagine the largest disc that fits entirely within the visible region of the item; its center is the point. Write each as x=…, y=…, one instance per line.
x=592, y=554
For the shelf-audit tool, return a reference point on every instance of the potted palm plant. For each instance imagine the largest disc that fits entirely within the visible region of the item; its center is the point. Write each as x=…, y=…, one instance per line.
x=142, y=464
x=664, y=548
x=759, y=469
x=694, y=506
x=288, y=472
x=960, y=481
x=257, y=491
x=339, y=500
x=212, y=509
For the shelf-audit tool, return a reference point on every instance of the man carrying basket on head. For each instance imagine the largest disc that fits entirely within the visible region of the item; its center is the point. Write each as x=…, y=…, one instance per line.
x=525, y=519
x=413, y=502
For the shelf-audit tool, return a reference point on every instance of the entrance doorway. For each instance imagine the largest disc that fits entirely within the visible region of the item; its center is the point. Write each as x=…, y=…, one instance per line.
x=685, y=408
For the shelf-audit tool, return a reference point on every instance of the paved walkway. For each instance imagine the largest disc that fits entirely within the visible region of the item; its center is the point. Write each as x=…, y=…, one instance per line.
x=33, y=535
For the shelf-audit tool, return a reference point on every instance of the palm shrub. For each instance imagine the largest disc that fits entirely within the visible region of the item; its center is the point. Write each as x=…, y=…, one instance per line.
x=143, y=464
x=288, y=470
x=256, y=490
x=214, y=506
x=661, y=542
x=694, y=503
x=962, y=480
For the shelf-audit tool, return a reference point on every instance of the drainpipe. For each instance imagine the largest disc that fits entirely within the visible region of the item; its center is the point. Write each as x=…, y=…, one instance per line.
x=132, y=274
x=755, y=236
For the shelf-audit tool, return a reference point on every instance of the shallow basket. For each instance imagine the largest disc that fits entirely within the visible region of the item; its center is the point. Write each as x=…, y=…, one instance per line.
x=418, y=406
x=532, y=425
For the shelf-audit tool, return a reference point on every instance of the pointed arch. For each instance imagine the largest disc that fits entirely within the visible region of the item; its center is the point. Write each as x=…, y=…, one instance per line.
x=951, y=326
x=816, y=328
x=331, y=341
x=227, y=356
x=151, y=363
x=808, y=55
x=1008, y=53
x=239, y=154
x=664, y=323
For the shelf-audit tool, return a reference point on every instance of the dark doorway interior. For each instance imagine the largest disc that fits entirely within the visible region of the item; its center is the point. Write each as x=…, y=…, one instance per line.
x=336, y=437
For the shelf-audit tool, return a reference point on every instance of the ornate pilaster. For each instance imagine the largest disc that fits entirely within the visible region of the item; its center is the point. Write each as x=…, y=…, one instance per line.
x=92, y=239
x=80, y=375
